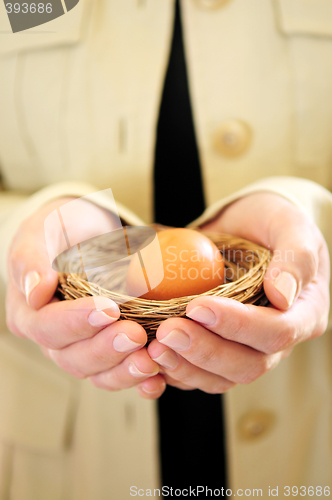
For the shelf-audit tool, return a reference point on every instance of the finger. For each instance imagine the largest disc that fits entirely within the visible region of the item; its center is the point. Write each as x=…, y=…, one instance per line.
x=297, y=248
x=263, y=328
x=235, y=362
x=135, y=368
x=60, y=323
x=103, y=351
x=152, y=388
x=32, y=274
x=181, y=370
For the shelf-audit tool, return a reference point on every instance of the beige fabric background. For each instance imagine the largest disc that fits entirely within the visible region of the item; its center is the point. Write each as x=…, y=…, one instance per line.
x=78, y=114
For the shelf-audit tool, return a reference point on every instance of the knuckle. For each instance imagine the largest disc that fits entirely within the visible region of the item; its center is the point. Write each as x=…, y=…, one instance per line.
x=99, y=354
x=286, y=338
x=76, y=325
x=38, y=331
x=204, y=357
x=114, y=380
x=262, y=365
x=41, y=339
x=240, y=327
x=183, y=377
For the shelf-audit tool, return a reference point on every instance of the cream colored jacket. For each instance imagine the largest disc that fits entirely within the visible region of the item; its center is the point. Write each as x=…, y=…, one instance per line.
x=79, y=103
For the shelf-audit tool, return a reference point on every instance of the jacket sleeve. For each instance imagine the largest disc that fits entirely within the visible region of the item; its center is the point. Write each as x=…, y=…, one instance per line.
x=15, y=208
x=315, y=200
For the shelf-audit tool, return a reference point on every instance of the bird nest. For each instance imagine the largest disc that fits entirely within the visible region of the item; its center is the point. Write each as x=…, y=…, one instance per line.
x=245, y=267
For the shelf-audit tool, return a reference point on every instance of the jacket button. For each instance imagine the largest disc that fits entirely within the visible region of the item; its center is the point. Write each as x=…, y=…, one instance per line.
x=210, y=4
x=255, y=424
x=232, y=138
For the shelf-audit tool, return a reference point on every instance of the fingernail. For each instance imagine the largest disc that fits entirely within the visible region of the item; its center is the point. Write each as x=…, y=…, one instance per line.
x=103, y=303
x=155, y=391
x=31, y=280
x=122, y=343
x=202, y=315
x=177, y=339
x=286, y=284
x=167, y=359
x=135, y=372
x=100, y=318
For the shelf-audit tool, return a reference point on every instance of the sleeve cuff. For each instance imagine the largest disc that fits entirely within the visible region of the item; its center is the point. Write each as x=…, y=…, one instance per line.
x=315, y=200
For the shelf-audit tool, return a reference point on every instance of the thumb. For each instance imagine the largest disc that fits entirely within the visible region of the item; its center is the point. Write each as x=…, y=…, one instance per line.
x=32, y=273
x=294, y=263
x=40, y=286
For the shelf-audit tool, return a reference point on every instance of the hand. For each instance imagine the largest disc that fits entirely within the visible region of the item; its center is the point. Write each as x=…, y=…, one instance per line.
x=231, y=343
x=82, y=340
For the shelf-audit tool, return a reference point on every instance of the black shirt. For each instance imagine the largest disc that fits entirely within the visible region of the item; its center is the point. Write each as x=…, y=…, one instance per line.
x=192, y=444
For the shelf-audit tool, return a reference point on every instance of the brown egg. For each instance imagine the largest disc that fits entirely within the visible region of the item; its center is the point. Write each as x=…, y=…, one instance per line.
x=191, y=262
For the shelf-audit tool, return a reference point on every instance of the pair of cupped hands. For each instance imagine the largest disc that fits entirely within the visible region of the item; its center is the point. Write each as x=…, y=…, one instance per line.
x=224, y=342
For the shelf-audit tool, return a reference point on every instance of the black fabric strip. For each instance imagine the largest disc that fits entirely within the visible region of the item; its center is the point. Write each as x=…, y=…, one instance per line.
x=190, y=422
x=178, y=190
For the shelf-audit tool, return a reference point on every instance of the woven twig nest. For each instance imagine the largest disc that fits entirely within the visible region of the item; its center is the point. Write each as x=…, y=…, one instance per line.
x=245, y=266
